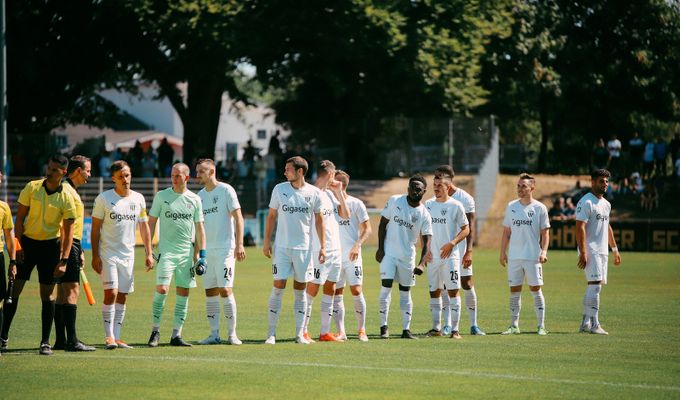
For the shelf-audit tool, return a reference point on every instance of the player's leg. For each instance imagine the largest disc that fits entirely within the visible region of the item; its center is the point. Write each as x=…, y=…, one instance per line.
x=470, y=299
x=515, y=280
x=70, y=286
x=330, y=275
x=446, y=311
x=229, y=298
x=434, y=284
x=185, y=280
x=596, y=274
x=406, y=280
x=534, y=273
x=388, y=271
x=302, y=273
x=24, y=269
x=48, y=258
x=354, y=277
x=338, y=302
x=165, y=268
x=311, y=291
x=126, y=285
x=282, y=268
x=212, y=296
x=109, y=277
x=452, y=284
x=59, y=324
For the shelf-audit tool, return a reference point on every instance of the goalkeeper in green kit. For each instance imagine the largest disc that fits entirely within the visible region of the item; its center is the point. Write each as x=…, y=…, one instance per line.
x=181, y=221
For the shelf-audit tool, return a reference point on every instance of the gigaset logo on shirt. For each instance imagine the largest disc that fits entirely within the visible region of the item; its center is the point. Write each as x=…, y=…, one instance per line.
x=401, y=222
x=122, y=217
x=294, y=209
x=520, y=222
x=343, y=222
x=437, y=220
x=601, y=217
x=177, y=215
x=210, y=210
x=327, y=211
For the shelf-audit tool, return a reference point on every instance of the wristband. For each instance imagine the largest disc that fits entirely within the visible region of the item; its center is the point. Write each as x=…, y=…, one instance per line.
x=201, y=253
x=615, y=249
x=12, y=262
x=64, y=260
x=544, y=253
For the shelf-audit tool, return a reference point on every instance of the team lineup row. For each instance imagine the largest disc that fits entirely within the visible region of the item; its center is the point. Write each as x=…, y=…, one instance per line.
x=320, y=230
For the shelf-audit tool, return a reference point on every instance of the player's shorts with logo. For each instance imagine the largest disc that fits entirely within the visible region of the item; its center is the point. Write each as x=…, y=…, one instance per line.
x=41, y=253
x=287, y=262
x=596, y=268
x=351, y=273
x=180, y=265
x=443, y=273
x=117, y=273
x=221, y=269
x=518, y=269
x=398, y=269
x=329, y=270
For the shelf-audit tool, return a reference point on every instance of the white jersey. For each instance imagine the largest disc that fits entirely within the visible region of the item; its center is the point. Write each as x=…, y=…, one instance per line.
x=218, y=204
x=329, y=211
x=296, y=209
x=119, y=216
x=469, y=205
x=406, y=225
x=595, y=213
x=349, y=228
x=448, y=217
x=526, y=224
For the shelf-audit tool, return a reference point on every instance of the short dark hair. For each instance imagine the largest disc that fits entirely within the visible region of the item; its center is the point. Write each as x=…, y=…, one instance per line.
x=596, y=173
x=444, y=171
x=298, y=162
x=76, y=162
x=417, y=178
x=59, y=159
x=117, y=166
x=208, y=161
x=343, y=177
x=325, y=167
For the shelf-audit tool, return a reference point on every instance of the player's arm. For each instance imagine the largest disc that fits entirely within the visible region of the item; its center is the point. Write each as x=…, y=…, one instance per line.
x=545, y=242
x=66, y=243
x=22, y=211
x=152, y=227
x=95, y=236
x=343, y=211
x=365, y=231
x=424, y=254
x=612, y=244
x=145, y=233
x=467, y=257
x=320, y=231
x=448, y=247
x=11, y=249
x=199, y=245
x=239, y=251
x=581, y=243
x=505, y=240
x=382, y=232
x=268, y=230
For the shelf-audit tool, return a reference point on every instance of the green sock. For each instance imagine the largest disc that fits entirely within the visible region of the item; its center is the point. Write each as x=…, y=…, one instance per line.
x=157, y=308
x=181, y=309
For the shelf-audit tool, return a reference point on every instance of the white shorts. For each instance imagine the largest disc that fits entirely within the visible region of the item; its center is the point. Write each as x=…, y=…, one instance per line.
x=221, y=269
x=444, y=274
x=532, y=269
x=596, y=268
x=117, y=274
x=465, y=271
x=352, y=273
x=289, y=262
x=398, y=269
x=329, y=270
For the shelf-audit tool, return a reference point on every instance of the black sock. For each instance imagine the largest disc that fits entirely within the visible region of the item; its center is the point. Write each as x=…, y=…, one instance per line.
x=47, y=319
x=1, y=318
x=9, y=311
x=70, y=322
x=59, y=328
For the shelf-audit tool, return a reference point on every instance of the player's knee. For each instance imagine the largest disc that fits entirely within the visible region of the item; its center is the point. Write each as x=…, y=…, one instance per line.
x=339, y=291
x=225, y=292
x=356, y=290
x=387, y=283
x=404, y=288
x=535, y=288
x=435, y=294
x=162, y=289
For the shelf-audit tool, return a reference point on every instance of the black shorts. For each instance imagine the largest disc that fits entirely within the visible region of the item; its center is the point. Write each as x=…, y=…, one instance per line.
x=73, y=265
x=3, y=278
x=41, y=253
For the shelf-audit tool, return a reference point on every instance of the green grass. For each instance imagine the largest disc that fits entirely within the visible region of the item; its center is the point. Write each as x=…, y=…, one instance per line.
x=639, y=359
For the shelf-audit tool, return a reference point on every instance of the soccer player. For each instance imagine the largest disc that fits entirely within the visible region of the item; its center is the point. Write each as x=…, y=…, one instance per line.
x=449, y=227
x=295, y=208
x=353, y=233
x=7, y=226
x=68, y=288
x=326, y=273
x=181, y=230
x=116, y=214
x=46, y=213
x=593, y=234
x=526, y=229
x=466, y=250
x=224, y=241
x=402, y=220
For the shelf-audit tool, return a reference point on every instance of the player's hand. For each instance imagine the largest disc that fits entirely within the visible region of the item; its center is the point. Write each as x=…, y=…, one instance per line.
x=97, y=264
x=335, y=187
x=354, y=253
x=12, y=272
x=82, y=258
x=267, y=250
x=200, y=266
x=240, y=252
x=322, y=256
x=418, y=270
x=60, y=269
x=617, y=258
x=582, y=260
x=543, y=259
x=504, y=260
x=148, y=261
x=379, y=255
x=446, y=250
x=467, y=259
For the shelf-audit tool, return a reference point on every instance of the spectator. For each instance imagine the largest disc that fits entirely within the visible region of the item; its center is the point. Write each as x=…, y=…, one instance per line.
x=557, y=212
x=648, y=160
x=165, y=156
x=614, y=148
x=674, y=148
x=623, y=187
x=136, y=156
x=660, y=155
x=249, y=153
x=105, y=164
x=570, y=209
x=649, y=199
x=635, y=183
x=636, y=148
x=148, y=164
x=677, y=171
x=600, y=155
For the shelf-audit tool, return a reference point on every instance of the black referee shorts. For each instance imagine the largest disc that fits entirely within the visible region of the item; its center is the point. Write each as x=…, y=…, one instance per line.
x=73, y=265
x=3, y=278
x=41, y=253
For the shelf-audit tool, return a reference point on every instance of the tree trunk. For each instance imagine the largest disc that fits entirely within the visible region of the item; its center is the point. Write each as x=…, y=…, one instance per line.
x=545, y=134
x=202, y=116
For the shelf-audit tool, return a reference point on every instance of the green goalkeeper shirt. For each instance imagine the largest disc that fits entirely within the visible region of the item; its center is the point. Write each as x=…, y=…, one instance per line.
x=177, y=215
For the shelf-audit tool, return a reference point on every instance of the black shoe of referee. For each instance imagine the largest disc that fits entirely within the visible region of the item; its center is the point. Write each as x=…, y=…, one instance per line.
x=178, y=341
x=78, y=346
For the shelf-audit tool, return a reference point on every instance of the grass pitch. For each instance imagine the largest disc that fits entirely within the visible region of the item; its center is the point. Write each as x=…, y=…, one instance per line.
x=639, y=359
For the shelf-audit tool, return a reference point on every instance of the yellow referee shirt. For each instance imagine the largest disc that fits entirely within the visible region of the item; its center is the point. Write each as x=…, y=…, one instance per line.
x=45, y=211
x=80, y=209
x=5, y=220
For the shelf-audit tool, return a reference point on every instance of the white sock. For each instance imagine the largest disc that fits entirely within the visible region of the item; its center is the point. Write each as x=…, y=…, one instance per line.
x=593, y=303
x=118, y=320
x=406, y=306
x=384, y=301
x=539, y=305
x=108, y=311
x=454, y=308
x=515, y=307
x=446, y=308
x=436, y=310
x=274, y=310
x=230, y=314
x=471, y=304
x=360, y=311
x=299, y=307
x=326, y=313
x=339, y=312
x=212, y=312
x=308, y=312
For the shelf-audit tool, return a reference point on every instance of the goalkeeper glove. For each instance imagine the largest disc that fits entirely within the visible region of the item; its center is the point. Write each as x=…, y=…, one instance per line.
x=200, y=265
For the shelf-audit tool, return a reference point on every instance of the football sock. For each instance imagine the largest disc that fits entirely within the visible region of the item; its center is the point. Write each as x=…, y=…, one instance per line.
x=308, y=312
x=212, y=312
x=157, y=309
x=300, y=306
x=274, y=309
x=384, y=301
x=515, y=307
x=70, y=312
x=446, y=308
x=539, y=305
x=47, y=315
x=181, y=309
x=118, y=319
x=326, y=313
x=9, y=310
x=406, y=306
x=59, y=327
x=108, y=314
x=593, y=303
x=339, y=312
x=360, y=311
x=436, y=310
x=230, y=314
x=471, y=304
x=454, y=308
